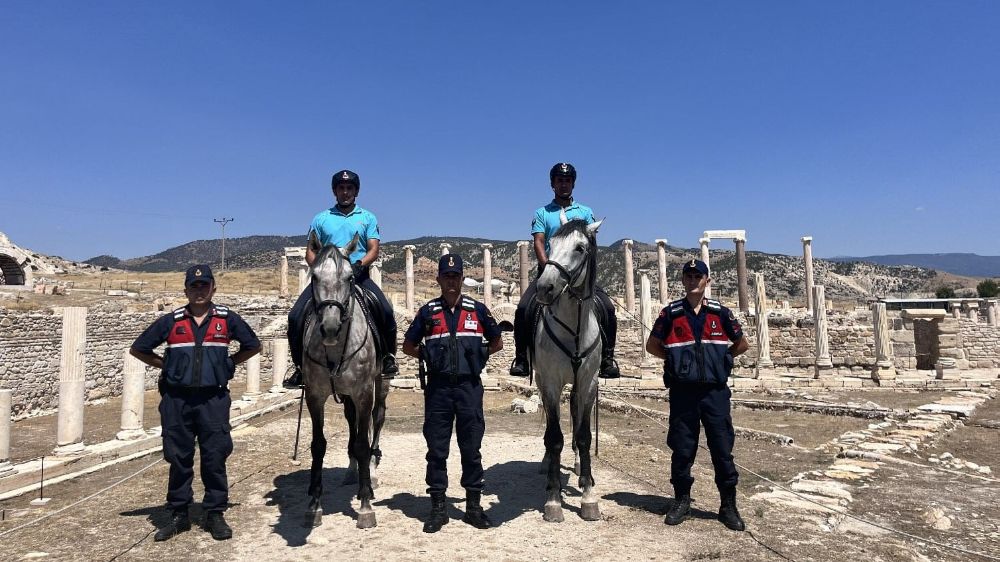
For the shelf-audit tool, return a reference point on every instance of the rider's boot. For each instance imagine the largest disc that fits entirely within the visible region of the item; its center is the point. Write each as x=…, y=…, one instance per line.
x=438, y=516
x=294, y=380
x=609, y=367
x=519, y=366
x=389, y=366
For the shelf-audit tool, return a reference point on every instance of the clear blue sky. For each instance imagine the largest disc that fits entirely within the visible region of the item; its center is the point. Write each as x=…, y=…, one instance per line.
x=872, y=126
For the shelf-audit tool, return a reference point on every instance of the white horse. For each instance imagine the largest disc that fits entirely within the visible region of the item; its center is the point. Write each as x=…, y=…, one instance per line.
x=340, y=358
x=568, y=351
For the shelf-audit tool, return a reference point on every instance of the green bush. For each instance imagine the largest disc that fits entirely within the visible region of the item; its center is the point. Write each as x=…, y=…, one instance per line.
x=945, y=293
x=987, y=289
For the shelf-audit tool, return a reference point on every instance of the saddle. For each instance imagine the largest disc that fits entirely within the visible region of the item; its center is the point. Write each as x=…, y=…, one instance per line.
x=534, y=315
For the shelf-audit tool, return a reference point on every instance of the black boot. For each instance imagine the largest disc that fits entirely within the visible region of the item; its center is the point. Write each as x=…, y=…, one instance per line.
x=679, y=511
x=438, y=516
x=474, y=514
x=179, y=522
x=216, y=524
x=609, y=367
x=294, y=380
x=728, y=513
x=389, y=367
x=519, y=367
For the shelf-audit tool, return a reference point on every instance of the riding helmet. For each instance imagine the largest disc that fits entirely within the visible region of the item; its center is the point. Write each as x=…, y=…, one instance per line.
x=346, y=176
x=562, y=169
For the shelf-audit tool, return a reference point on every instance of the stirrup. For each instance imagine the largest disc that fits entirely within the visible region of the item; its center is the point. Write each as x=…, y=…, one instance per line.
x=294, y=380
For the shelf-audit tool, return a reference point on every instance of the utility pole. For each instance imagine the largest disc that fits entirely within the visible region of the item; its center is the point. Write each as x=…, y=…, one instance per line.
x=222, y=222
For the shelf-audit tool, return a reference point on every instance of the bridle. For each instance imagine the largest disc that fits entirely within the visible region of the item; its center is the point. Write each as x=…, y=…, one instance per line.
x=581, y=294
x=346, y=318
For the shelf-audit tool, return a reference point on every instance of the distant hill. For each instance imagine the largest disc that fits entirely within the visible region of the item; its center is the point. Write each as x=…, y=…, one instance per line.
x=972, y=265
x=784, y=275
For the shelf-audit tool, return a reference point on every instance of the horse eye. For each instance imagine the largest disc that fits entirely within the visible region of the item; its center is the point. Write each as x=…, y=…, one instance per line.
x=580, y=248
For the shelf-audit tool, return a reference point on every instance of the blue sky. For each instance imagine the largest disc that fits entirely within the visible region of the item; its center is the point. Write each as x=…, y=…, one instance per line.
x=872, y=126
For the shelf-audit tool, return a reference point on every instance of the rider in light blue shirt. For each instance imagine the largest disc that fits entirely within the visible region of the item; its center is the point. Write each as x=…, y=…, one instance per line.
x=562, y=178
x=338, y=225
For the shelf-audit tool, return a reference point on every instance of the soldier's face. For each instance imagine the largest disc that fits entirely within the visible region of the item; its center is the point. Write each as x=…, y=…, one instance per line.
x=199, y=292
x=450, y=283
x=694, y=282
x=562, y=187
x=346, y=193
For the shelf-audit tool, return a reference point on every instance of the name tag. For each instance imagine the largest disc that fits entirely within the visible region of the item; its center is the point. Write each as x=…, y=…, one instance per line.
x=471, y=325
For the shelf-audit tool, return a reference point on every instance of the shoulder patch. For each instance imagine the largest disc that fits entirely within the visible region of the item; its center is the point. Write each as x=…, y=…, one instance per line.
x=221, y=311
x=467, y=303
x=178, y=313
x=713, y=304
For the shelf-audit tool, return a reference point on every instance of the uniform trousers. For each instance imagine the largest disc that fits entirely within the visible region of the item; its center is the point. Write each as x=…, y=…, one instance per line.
x=454, y=402
x=691, y=406
x=187, y=415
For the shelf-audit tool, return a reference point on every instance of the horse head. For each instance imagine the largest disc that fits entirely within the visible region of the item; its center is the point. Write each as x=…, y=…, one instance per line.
x=572, y=261
x=332, y=286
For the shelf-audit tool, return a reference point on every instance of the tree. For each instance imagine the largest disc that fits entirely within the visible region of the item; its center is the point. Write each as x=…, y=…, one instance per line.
x=945, y=293
x=988, y=289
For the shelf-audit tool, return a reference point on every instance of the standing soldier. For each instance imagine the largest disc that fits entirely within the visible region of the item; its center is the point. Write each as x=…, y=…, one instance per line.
x=692, y=335
x=453, y=327
x=562, y=178
x=338, y=225
x=196, y=368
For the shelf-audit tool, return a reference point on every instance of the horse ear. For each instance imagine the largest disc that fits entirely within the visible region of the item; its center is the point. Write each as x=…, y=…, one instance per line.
x=562, y=217
x=352, y=245
x=592, y=227
x=313, y=242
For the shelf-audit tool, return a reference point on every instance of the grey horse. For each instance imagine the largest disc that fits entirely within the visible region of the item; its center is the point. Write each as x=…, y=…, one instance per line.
x=340, y=359
x=568, y=351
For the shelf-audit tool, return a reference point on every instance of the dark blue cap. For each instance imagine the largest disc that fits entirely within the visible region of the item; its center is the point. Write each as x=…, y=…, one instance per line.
x=695, y=265
x=200, y=272
x=450, y=263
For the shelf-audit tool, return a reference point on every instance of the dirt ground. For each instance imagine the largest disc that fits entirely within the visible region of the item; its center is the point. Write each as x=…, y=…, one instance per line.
x=268, y=496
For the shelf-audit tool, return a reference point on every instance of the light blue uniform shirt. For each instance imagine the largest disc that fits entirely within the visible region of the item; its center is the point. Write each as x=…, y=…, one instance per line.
x=547, y=219
x=334, y=227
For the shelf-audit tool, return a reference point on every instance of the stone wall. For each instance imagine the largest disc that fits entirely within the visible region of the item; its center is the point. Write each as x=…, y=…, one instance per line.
x=981, y=343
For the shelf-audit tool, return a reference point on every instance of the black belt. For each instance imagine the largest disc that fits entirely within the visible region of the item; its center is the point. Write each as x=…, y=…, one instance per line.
x=453, y=379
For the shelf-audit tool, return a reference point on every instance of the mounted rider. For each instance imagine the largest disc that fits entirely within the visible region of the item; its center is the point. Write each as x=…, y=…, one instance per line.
x=562, y=178
x=338, y=225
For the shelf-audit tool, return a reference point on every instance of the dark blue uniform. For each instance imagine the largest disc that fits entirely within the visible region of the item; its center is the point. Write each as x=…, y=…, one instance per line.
x=455, y=354
x=195, y=398
x=696, y=370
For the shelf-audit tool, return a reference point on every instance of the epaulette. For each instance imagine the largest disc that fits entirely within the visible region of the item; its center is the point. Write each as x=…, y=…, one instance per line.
x=435, y=306
x=467, y=303
x=676, y=308
x=179, y=313
x=713, y=304
x=221, y=311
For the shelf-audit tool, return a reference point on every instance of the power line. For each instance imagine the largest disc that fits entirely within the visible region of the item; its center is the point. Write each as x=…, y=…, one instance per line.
x=223, y=221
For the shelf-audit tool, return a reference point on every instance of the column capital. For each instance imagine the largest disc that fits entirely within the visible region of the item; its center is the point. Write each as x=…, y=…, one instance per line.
x=662, y=242
x=704, y=241
x=486, y=245
x=740, y=238
x=410, y=247
x=627, y=243
x=523, y=243
x=807, y=239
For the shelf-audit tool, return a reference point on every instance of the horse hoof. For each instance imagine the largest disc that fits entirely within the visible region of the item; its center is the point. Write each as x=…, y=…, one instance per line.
x=366, y=520
x=314, y=519
x=350, y=478
x=590, y=512
x=553, y=513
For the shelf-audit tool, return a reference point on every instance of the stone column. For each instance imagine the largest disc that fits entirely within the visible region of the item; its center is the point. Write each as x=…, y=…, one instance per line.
x=807, y=257
x=487, y=275
x=884, y=367
x=410, y=300
x=824, y=365
x=283, y=279
x=741, y=274
x=991, y=313
x=704, y=257
x=972, y=311
x=645, y=313
x=445, y=248
x=629, y=277
x=5, y=467
x=133, y=398
x=303, y=276
x=253, y=378
x=375, y=272
x=661, y=269
x=279, y=362
x=72, y=381
x=522, y=264
x=763, y=335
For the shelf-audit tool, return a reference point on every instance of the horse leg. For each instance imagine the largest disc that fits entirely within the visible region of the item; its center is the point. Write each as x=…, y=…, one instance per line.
x=378, y=419
x=362, y=452
x=351, y=414
x=553, y=450
x=589, y=510
x=314, y=512
x=574, y=418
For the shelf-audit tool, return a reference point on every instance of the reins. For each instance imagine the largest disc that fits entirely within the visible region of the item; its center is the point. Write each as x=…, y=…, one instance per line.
x=581, y=295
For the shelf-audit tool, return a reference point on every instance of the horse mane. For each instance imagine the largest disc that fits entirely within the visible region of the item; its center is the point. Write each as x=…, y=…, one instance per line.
x=580, y=225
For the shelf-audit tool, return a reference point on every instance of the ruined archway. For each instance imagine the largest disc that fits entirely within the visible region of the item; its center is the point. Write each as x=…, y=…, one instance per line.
x=10, y=272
